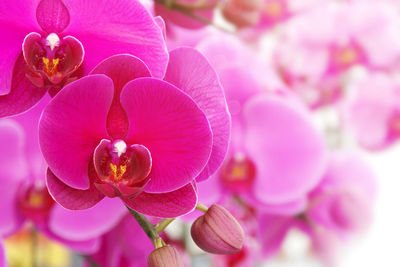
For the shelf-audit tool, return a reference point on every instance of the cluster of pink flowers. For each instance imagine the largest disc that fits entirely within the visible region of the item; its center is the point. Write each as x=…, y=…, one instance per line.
x=118, y=117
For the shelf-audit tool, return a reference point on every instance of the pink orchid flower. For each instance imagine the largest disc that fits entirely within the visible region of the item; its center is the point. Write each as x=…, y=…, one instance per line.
x=24, y=196
x=50, y=43
x=339, y=207
x=319, y=46
x=136, y=137
x=276, y=155
x=371, y=110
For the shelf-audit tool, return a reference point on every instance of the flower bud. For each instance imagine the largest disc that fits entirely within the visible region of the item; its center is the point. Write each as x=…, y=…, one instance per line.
x=243, y=13
x=218, y=232
x=166, y=256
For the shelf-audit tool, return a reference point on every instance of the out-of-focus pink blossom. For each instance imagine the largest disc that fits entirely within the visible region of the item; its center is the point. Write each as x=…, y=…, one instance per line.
x=24, y=196
x=136, y=137
x=63, y=40
x=312, y=57
x=125, y=245
x=338, y=208
x=276, y=155
x=371, y=110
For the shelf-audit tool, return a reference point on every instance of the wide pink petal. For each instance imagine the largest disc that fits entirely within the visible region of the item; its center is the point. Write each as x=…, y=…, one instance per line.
x=121, y=69
x=172, y=127
x=72, y=125
x=288, y=150
x=52, y=16
x=165, y=205
x=86, y=224
x=85, y=246
x=17, y=19
x=23, y=94
x=109, y=27
x=71, y=198
x=190, y=71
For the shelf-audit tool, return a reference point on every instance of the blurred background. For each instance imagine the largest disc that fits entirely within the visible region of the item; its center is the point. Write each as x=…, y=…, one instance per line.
x=312, y=172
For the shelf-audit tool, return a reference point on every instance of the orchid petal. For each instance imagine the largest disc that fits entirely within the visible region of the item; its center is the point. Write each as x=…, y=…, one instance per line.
x=172, y=127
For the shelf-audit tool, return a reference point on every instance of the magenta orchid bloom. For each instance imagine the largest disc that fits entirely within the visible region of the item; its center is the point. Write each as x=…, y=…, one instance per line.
x=136, y=137
x=63, y=40
x=276, y=155
x=312, y=59
x=371, y=111
x=24, y=196
x=339, y=207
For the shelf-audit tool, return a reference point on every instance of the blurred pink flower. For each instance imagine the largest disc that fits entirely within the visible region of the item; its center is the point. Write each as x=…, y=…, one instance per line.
x=132, y=136
x=24, y=196
x=318, y=46
x=371, y=110
x=125, y=245
x=63, y=40
x=276, y=154
x=338, y=208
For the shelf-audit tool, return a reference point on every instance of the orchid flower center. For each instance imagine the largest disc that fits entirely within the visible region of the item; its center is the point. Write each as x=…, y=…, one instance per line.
x=34, y=202
x=346, y=56
x=394, y=125
x=238, y=173
x=121, y=170
x=51, y=61
x=273, y=9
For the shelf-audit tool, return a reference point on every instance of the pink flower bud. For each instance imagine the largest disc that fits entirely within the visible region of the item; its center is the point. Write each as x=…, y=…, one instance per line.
x=243, y=13
x=218, y=232
x=164, y=257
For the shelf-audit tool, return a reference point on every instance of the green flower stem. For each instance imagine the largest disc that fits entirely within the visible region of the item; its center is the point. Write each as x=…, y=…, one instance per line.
x=147, y=226
x=201, y=208
x=163, y=224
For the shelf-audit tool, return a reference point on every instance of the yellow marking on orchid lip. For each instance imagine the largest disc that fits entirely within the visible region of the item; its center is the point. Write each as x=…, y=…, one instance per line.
x=273, y=9
x=50, y=67
x=238, y=172
x=35, y=200
x=347, y=56
x=117, y=171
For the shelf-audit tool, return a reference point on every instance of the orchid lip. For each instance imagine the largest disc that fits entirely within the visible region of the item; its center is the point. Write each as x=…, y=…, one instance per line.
x=238, y=173
x=121, y=170
x=51, y=60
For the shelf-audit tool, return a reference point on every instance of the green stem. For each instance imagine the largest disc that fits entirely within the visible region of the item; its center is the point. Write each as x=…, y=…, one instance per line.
x=147, y=227
x=163, y=224
x=188, y=11
x=89, y=260
x=201, y=208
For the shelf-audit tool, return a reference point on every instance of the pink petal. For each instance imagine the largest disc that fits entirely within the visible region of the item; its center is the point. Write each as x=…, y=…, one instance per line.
x=121, y=69
x=171, y=126
x=3, y=260
x=110, y=27
x=17, y=19
x=86, y=224
x=288, y=150
x=71, y=198
x=11, y=219
x=23, y=94
x=165, y=205
x=72, y=125
x=52, y=16
x=84, y=246
x=190, y=71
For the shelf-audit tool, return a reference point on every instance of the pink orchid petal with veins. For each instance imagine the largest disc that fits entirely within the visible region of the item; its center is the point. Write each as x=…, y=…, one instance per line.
x=63, y=40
